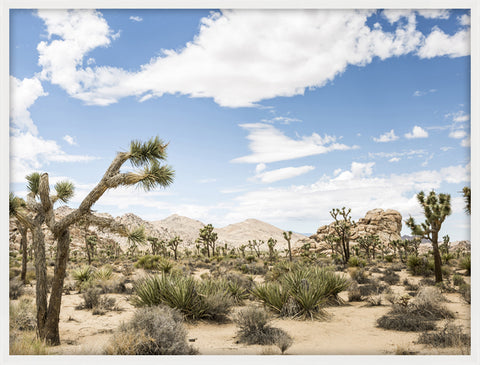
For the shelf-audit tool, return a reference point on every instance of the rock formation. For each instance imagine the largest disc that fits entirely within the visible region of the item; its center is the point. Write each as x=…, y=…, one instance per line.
x=385, y=224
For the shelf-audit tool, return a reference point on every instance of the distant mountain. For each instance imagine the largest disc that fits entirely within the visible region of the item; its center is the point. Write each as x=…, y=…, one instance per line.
x=407, y=237
x=184, y=227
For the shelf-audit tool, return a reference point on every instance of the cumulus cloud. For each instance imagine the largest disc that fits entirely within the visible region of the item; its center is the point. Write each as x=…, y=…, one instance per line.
x=268, y=144
x=438, y=44
x=394, y=159
x=356, y=188
x=136, y=18
x=283, y=173
x=464, y=20
x=434, y=13
x=281, y=120
x=457, y=134
x=386, y=137
x=23, y=94
x=421, y=93
x=238, y=57
x=409, y=154
x=417, y=132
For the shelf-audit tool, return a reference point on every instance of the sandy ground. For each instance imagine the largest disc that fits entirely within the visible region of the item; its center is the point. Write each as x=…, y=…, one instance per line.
x=349, y=330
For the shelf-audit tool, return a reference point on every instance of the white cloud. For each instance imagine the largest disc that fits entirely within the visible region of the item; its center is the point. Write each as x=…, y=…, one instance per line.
x=434, y=13
x=464, y=20
x=70, y=140
x=238, y=58
x=282, y=120
x=260, y=167
x=394, y=15
x=421, y=93
x=460, y=117
x=394, y=159
x=440, y=44
x=465, y=142
x=283, y=173
x=136, y=18
x=386, y=137
x=358, y=189
x=269, y=144
x=417, y=132
x=408, y=154
x=23, y=94
x=445, y=149
x=457, y=134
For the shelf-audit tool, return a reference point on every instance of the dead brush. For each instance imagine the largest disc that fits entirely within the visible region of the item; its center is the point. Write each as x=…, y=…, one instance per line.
x=449, y=336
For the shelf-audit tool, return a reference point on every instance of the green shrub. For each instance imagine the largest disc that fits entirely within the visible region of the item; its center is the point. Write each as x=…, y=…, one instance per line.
x=302, y=292
x=458, y=280
x=360, y=275
x=420, y=266
x=465, y=264
x=152, y=331
x=91, y=298
x=356, y=261
x=206, y=299
x=389, y=258
x=83, y=276
x=104, y=273
x=154, y=262
x=255, y=330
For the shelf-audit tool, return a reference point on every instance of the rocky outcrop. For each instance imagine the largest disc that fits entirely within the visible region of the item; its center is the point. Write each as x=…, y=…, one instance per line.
x=387, y=225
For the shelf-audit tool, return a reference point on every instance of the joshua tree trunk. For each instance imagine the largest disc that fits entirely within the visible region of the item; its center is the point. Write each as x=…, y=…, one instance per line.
x=41, y=278
x=437, y=258
x=23, y=246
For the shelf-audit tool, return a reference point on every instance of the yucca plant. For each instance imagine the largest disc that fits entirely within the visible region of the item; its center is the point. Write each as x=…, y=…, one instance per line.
x=273, y=295
x=83, y=275
x=104, y=273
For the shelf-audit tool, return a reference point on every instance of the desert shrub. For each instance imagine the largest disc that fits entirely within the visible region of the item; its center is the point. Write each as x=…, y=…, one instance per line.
x=374, y=300
x=360, y=275
x=22, y=315
x=105, y=304
x=237, y=292
x=447, y=257
x=397, y=266
x=409, y=286
x=420, y=266
x=154, y=262
x=15, y=288
x=13, y=272
x=354, y=294
x=450, y=336
x=390, y=277
x=426, y=282
x=356, y=261
x=418, y=314
x=302, y=292
x=253, y=269
x=465, y=290
x=373, y=287
x=389, y=258
x=104, y=273
x=83, y=276
x=91, y=298
x=465, y=264
x=207, y=299
x=154, y=330
x=458, y=280
x=255, y=330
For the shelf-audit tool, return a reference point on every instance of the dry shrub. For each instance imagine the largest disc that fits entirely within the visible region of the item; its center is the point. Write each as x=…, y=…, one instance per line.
x=155, y=330
x=360, y=275
x=374, y=300
x=354, y=294
x=26, y=343
x=418, y=314
x=450, y=336
x=390, y=277
x=22, y=315
x=15, y=288
x=465, y=290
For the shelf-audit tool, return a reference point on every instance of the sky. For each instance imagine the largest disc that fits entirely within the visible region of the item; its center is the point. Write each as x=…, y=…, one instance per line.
x=279, y=116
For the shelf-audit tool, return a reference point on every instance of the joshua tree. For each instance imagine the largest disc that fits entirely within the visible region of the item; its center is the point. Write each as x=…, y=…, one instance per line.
x=147, y=155
x=17, y=208
x=342, y=227
x=271, y=248
x=467, y=197
x=445, y=247
x=435, y=208
x=255, y=246
x=208, y=238
x=288, y=238
x=173, y=244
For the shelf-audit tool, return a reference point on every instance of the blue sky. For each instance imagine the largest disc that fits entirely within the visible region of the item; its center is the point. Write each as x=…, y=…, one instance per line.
x=274, y=115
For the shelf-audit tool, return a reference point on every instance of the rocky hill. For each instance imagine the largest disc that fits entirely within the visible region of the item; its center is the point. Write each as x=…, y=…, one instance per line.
x=386, y=224
x=184, y=227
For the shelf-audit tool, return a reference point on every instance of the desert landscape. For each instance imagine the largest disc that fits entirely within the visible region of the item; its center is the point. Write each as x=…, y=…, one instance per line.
x=269, y=182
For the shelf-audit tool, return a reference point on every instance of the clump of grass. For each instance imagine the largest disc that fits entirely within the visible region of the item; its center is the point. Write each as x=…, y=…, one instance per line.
x=458, y=280
x=420, y=266
x=254, y=329
x=356, y=261
x=374, y=300
x=373, y=287
x=92, y=299
x=22, y=315
x=83, y=276
x=450, y=336
x=354, y=294
x=154, y=262
x=207, y=299
x=302, y=292
x=154, y=330
x=26, y=343
x=418, y=314
x=104, y=273
x=410, y=286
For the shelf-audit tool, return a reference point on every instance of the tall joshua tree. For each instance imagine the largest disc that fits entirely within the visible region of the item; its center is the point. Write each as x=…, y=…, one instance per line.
x=288, y=238
x=435, y=208
x=467, y=196
x=145, y=155
x=343, y=230
x=17, y=208
x=208, y=238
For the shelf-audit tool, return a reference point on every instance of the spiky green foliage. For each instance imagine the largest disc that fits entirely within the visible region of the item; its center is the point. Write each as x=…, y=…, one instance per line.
x=65, y=190
x=151, y=176
x=302, y=292
x=137, y=235
x=208, y=238
x=196, y=300
x=104, y=273
x=15, y=204
x=151, y=151
x=33, y=182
